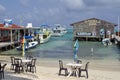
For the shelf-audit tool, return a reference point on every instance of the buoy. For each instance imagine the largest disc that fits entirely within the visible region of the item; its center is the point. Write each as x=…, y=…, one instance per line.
x=92, y=50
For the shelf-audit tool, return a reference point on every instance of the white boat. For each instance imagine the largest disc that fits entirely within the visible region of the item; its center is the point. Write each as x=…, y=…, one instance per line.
x=59, y=30
x=44, y=34
x=29, y=44
x=106, y=41
x=44, y=37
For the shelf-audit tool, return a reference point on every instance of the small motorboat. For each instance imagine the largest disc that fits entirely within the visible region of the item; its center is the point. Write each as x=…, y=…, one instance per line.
x=29, y=44
x=106, y=41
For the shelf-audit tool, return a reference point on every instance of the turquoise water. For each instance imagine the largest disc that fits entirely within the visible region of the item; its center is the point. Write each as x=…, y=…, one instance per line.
x=62, y=47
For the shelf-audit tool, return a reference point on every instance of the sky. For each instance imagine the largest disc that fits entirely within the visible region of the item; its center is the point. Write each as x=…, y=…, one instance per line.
x=64, y=12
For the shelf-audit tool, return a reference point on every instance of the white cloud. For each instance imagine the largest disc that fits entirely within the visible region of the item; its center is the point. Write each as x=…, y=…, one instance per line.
x=107, y=3
x=74, y=4
x=54, y=11
x=2, y=8
x=24, y=2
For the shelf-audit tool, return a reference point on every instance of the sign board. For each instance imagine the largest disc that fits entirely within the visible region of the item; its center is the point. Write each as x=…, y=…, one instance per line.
x=7, y=22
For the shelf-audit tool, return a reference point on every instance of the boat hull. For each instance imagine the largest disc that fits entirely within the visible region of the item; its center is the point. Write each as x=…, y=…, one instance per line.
x=44, y=40
x=106, y=42
x=32, y=45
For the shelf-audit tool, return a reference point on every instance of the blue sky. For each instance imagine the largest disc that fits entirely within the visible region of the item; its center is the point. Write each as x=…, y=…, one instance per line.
x=62, y=12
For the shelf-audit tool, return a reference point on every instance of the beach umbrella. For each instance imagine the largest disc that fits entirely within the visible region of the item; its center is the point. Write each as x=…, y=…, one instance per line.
x=76, y=47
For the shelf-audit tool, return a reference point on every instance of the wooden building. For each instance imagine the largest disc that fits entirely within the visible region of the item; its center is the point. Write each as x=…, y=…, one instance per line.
x=9, y=33
x=92, y=29
x=10, y=36
x=14, y=32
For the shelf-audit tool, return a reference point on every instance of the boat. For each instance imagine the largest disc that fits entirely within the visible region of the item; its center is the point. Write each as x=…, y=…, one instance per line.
x=44, y=37
x=58, y=30
x=29, y=43
x=43, y=34
x=106, y=41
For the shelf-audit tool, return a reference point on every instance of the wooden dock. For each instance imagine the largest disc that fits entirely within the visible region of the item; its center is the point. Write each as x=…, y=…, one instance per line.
x=8, y=45
x=87, y=38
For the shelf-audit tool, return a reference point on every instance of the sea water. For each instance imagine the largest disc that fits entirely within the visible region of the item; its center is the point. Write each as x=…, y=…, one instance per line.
x=62, y=48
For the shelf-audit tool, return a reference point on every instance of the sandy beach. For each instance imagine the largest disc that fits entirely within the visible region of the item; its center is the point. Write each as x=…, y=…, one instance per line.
x=48, y=70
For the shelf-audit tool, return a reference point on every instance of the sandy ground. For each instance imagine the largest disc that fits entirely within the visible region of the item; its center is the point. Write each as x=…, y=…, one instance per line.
x=50, y=72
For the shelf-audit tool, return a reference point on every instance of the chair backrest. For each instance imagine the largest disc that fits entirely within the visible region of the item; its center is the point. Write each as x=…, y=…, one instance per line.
x=33, y=62
x=60, y=64
x=3, y=67
x=12, y=59
x=86, y=66
x=18, y=61
x=78, y=61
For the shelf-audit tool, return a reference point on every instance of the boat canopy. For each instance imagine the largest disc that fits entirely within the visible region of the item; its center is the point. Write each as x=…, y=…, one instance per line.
x=28, y=37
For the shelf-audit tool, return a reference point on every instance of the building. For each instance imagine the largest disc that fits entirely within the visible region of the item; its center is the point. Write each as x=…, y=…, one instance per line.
x=9, y=33
x=93, y=29
x=14, y=32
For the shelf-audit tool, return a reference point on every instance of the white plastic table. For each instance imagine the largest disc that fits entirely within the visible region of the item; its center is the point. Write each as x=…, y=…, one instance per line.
x=73, y=68
x=25, y=61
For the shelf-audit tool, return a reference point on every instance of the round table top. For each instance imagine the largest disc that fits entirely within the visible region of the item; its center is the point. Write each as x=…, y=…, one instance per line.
x=74, y=64
x=26, y=60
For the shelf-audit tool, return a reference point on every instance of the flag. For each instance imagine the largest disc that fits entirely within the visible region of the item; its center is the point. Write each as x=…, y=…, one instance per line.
x=76, y=47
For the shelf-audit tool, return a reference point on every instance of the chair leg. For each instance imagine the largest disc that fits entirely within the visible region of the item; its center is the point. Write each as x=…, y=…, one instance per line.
x=79, y=73
x=87, y=73
x=59, y=71
x=16, y=69
x=32, y=69
x=3, y=75
x=65, y=72
x=0, y=75
x=35, y=68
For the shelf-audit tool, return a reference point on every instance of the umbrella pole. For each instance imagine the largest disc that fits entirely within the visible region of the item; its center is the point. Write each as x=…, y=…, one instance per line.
x=23, y=49
x=75, y=55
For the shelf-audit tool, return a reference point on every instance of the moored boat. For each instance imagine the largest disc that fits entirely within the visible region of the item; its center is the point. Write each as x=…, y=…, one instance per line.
x=28, y=44
x=44, y=37
x=43, y=34
x=106, y=41
x=59, y=30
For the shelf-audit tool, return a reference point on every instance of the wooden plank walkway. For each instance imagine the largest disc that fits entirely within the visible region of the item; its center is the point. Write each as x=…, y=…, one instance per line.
x=4, y=46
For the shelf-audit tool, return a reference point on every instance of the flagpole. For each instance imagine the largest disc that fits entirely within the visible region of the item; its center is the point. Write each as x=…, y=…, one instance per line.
x=118, y=25
x=23, y=46
x=23, y=40
x=23, y=50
